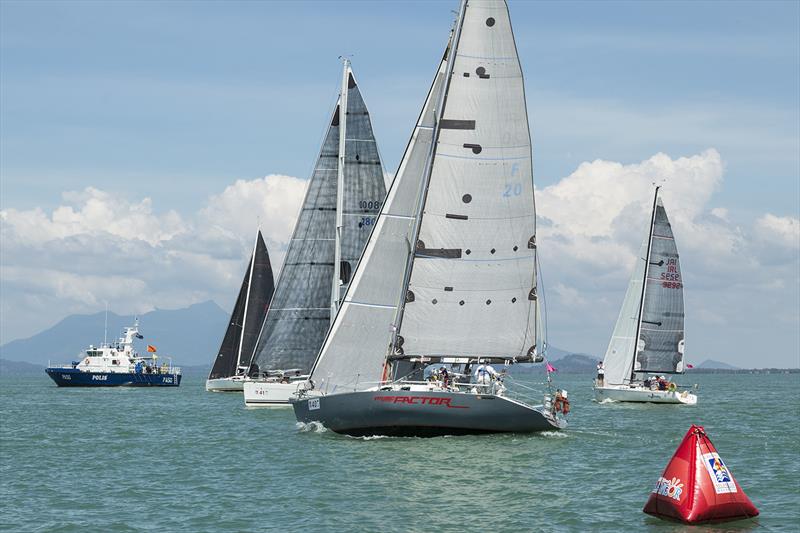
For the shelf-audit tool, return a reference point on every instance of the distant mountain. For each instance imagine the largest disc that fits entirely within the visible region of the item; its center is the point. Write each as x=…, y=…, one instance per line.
x=17, y=368
x=576, y=363
x=710, y=363
x=190, y=336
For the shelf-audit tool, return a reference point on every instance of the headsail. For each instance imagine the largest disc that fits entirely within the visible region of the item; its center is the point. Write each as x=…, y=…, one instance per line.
x=300, y=312
x=248, y=314
x=660, y=343
x=618, y=362
x=470, y=199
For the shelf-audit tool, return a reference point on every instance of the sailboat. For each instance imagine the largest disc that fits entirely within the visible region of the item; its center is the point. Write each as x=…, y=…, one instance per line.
x=343, y=198
x=231, y=364
x=449, y=275
x=648, y=340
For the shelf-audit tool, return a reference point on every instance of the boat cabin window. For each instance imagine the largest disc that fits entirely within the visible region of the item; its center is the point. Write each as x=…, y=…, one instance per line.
x=94, y=353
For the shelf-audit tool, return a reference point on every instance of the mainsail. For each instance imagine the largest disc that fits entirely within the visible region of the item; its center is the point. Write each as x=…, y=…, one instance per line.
x=247, y=316
x=660, y=340
x=450, y=269
x=648, y=336
x=347, y=194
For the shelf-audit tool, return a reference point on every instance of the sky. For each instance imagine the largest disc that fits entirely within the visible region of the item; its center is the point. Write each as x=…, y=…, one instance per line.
x=141, y=141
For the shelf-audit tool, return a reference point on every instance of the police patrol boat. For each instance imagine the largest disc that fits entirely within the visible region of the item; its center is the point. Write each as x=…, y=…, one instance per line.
x=449, y=273
x=117, y=364
x=649, y=335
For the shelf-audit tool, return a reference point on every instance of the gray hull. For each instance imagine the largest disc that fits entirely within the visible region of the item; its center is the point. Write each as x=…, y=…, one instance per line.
x=422, y=414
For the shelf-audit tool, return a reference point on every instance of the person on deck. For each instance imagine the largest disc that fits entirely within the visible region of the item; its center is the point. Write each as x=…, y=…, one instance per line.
x=484, y=373
x=601, y=374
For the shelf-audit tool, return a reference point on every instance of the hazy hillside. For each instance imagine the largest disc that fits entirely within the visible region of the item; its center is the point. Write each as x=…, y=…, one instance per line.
x=17, y=368
x=190, y=336
x=710, y=363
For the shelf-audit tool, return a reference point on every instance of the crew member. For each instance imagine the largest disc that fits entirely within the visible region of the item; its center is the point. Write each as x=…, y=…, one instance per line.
x=484, y=373
x=601, y=374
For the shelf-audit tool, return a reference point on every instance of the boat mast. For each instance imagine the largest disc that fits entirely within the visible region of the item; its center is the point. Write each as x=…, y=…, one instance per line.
x=247, y=301
x=423, y=190
x=337, y=261
x=644, y=284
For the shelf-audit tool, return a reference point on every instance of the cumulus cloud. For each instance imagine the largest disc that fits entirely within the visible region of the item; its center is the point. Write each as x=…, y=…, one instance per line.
x=741, y=275
x=97, y=247
x=593, y=221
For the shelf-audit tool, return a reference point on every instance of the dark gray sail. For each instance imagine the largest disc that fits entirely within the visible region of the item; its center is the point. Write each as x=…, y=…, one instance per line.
x=661, y=331
x=300, y=313
x=363, y=185
x=248, y=314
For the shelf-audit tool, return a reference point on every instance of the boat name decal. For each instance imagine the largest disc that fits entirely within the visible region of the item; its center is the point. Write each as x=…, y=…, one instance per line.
x=669, y=488
x=416, y=400
x=100, y=378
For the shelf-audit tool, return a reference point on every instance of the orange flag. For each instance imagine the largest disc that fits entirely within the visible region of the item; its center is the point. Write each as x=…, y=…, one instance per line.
x=151, y=348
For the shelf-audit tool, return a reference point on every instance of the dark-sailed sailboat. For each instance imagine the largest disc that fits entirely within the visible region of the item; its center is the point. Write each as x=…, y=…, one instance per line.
x=648, y=338
x=232, y=362
x=449, y=275
x=344, y=195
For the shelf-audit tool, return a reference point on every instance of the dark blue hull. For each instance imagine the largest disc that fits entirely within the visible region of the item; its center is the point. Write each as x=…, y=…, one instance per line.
x=71, y=377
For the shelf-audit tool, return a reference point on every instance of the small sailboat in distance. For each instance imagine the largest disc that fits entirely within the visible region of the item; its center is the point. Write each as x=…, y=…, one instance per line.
x=648, y=339
x=449, y=274
x=231, y=364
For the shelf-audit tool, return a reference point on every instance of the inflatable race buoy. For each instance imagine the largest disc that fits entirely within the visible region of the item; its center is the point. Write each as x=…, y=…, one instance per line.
x=697, y=485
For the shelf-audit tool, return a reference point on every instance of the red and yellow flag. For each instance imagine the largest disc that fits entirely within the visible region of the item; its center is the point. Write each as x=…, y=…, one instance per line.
x=151, y=348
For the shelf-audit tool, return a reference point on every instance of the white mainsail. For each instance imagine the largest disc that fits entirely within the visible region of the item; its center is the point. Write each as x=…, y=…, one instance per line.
x=459, y=217
x=473, y=283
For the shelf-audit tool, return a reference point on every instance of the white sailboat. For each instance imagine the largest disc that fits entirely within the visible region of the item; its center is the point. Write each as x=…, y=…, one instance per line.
x=648, y=339
x=344, y=195
x=449, y=274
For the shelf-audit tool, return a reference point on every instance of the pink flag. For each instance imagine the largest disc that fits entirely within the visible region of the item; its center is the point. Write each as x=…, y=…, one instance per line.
x=689, y=366
x=551, y=368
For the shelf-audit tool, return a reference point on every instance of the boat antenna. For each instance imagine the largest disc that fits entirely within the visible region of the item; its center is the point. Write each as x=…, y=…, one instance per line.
x=105, y=328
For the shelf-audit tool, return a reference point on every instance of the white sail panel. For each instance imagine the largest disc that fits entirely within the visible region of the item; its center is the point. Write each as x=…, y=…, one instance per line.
x=618, y=361
x=474, y=271
x=662, y=330
x=353, y=354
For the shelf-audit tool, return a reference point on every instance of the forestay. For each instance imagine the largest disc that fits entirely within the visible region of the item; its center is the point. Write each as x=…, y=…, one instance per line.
x=660, y=346
x=355, y=349
x=472, y=290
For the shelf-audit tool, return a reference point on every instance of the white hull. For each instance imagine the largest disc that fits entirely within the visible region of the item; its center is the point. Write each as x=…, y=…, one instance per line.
x=642, y=395
x=269, y=393
x=229, y=384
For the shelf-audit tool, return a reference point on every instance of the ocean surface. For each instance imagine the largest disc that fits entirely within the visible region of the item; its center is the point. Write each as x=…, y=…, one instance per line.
x=182, y=459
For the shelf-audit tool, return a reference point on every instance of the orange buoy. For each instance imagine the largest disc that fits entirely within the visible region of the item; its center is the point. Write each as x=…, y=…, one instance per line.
x=697, y=486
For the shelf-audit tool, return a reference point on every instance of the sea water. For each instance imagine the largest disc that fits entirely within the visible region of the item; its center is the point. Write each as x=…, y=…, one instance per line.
x=182, y=459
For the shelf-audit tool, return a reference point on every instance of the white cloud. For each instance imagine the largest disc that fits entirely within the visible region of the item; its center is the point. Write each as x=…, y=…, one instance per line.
x=739, y=275
x=98, y=247
x=780, y=231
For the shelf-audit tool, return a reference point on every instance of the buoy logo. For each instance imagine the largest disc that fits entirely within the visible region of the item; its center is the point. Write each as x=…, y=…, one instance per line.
x=718, y=472
x=671, y=488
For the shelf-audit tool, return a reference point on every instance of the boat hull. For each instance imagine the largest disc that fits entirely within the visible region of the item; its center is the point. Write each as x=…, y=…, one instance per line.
x=269, y=393
x=71, y=377
x=641, y=395
x=422, y=414
x=229, y=384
